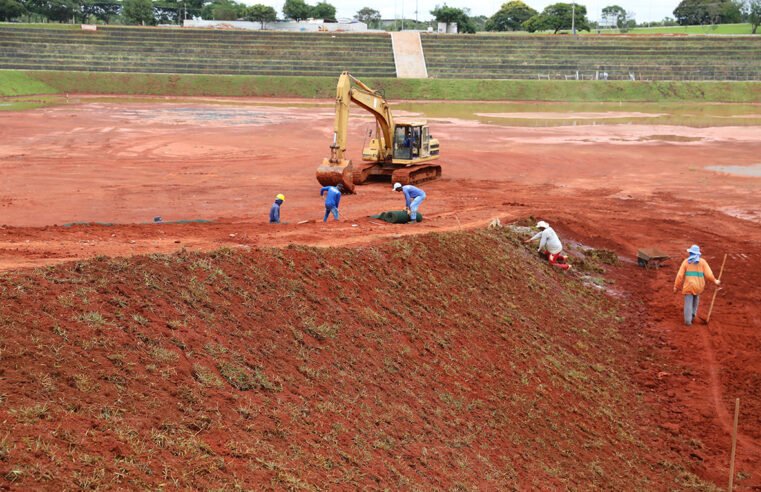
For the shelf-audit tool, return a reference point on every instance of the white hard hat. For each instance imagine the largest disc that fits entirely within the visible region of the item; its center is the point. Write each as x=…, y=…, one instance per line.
x=397, y=186
x=542, y=224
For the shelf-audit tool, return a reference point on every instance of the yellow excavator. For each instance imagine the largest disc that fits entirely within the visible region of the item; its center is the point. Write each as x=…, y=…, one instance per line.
x=403, y=151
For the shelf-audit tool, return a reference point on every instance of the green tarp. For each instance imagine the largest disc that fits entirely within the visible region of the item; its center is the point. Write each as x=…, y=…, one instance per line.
x=396, y=217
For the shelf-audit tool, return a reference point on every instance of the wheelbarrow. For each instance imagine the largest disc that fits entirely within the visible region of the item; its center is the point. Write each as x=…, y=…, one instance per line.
x=651, y=258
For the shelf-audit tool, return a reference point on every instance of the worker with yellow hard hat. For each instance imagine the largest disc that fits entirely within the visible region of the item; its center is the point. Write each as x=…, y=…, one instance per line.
x=275, y=210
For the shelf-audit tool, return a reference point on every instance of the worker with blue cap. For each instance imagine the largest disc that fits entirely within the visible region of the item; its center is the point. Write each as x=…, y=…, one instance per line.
x=692, y=277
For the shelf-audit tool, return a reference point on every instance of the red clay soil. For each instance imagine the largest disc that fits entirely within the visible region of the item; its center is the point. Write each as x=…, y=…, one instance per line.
x=450, y=361
x=621, y=187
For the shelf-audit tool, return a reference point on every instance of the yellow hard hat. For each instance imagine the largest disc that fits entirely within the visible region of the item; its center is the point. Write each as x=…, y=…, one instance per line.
x=280, y=196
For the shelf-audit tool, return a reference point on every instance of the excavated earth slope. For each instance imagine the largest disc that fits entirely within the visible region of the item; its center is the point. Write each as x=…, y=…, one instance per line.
x=455, y=361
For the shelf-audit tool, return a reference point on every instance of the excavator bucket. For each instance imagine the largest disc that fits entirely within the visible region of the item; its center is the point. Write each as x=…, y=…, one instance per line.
x=333, y=173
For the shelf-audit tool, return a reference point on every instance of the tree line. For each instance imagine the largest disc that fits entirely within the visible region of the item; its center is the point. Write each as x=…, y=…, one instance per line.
x=153, y=12
x=514, y=15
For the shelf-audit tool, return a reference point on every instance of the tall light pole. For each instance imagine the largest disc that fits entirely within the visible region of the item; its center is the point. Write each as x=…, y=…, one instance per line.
x=573, y=18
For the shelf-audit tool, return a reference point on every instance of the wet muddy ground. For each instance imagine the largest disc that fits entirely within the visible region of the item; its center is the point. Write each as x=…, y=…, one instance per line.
x=617, y=176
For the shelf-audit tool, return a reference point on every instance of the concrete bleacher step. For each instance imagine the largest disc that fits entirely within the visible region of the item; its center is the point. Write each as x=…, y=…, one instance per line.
x=654, y=58
x=152, y=50
x=163, y=69
x=175, y=50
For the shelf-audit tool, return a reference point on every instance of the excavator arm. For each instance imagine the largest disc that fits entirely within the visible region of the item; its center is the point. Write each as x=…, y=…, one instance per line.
x=337, y=169
x=351, y=89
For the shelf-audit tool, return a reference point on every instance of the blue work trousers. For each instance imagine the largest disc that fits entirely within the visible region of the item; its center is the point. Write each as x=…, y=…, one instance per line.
x=690, y=308
x=328, y=211
x=414, y=206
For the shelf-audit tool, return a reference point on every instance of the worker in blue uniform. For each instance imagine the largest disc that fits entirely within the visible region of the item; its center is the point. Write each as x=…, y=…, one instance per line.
x=332, y=200
x=413, y=197
x=275, y=210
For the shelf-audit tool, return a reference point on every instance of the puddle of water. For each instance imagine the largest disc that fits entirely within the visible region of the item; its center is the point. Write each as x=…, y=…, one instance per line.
x=236, y=102
x=502, y=113
x=34, y=102
x=208, y=114
x=547, y=114
x=670, y=138
x=22, y=105
x=753, y=171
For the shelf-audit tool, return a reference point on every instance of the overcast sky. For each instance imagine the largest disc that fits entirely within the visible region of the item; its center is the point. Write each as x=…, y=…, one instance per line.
x=644, y=10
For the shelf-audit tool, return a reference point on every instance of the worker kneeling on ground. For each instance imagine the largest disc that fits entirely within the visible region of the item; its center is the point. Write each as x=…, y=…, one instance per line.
x=693, y=272
x=332, y=200
x=550, y=245
x=275, y=210
x=413, y=197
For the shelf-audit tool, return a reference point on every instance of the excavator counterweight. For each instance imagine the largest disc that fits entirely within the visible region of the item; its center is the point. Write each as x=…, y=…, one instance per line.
x=402, y=152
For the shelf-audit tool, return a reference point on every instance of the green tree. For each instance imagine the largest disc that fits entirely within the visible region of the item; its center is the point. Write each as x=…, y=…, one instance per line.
x=171, y=11
x=614, y=12
x=478, y=22
x=296, y=10
x=624, y=20
x=702, y=12
x=167, y=11
x=369, y=16
x=138, y=12
x=752, y=12
x=102, y=10
x=55, y=10
x=324, y=11
x=559, y=16
x=224, y=10
x=510, y=17
x=10, y=9
x=731, y=12
x=452, y=15
x=261, y=13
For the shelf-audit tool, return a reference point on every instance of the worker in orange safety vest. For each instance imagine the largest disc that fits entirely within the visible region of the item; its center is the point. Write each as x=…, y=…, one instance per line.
x=692, y=277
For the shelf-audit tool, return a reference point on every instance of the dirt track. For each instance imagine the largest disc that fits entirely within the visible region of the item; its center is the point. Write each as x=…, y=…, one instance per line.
x=617, y=186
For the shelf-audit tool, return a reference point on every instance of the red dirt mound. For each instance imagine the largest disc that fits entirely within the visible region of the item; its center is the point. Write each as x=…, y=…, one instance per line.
x=455, y=361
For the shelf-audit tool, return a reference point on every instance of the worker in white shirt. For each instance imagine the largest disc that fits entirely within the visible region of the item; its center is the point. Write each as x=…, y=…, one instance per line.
x=550, y=245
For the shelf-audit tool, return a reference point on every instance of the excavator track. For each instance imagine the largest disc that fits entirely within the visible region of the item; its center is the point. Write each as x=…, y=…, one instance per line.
x=416, y=174
x=362, y=172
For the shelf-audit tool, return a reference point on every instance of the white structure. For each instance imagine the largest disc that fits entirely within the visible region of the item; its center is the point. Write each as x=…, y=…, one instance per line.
x=311, y=25
x=450, y=28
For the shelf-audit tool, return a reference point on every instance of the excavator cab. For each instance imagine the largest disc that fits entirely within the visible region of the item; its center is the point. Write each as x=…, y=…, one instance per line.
x=412, y=141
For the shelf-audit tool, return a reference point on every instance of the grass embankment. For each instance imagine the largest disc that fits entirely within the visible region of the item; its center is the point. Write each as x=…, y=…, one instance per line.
x=43, y=25
x=31, y=82
x=15, y=83
x=450, y=361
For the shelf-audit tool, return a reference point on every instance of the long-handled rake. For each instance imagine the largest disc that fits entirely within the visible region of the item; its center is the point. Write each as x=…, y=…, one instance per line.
x=710, y=310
